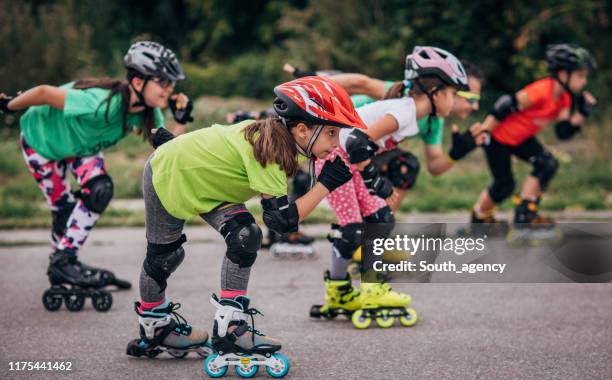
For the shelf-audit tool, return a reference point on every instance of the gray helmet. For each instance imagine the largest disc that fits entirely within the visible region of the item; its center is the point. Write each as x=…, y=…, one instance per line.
x=153, y=59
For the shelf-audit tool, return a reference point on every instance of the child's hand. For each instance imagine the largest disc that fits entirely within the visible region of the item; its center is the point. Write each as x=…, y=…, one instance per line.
x=181, y=108
x=585, y=103
x=288, y=68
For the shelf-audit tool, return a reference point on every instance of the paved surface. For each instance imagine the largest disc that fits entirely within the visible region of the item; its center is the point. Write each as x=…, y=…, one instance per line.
x=465, y=331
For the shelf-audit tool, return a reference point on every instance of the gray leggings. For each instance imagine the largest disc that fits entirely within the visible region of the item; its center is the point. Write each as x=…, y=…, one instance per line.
x=163, y=228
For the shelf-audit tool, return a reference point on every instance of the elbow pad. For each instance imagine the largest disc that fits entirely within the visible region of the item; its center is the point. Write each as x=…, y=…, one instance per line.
x=280, y=215
x=359, y=146
x=161, y=137
x=566, y=130
x=504, y=106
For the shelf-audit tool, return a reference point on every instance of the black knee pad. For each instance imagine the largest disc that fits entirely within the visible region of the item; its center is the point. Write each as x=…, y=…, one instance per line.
x=243, y=238
x=60, y=217
x=301, y=185
x=501, y=189
x=347, y=239
x=382, y=221
x=545, y=166
x=163, y=259
x=403, y=170
x=97, y=193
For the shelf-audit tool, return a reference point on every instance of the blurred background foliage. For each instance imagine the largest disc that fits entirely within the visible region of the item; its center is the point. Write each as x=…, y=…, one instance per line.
x=233, y=51
x=232, y=47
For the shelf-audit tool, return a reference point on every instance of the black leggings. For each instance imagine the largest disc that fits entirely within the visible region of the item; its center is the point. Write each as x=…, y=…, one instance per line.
x=500, y=164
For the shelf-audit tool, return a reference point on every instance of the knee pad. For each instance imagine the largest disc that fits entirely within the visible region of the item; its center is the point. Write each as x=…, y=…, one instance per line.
x=545, y=166
x=60, y=218
x=243, y=238
x=163, y=259
x=383, y=221
x=501, y=189
x=301, y=185
x=403, y=170
x=97, y=193
x=347, y=239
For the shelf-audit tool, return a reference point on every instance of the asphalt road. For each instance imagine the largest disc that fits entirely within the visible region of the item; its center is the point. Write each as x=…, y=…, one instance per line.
x=465, y=331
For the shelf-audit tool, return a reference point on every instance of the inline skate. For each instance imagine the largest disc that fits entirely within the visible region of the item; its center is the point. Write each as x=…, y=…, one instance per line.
x=293, y=245
x=340, y=299
x=383, y=304
x=530, y=228
x=162, y=329
x=237, y=343
x=71, y=284
x=485, y=224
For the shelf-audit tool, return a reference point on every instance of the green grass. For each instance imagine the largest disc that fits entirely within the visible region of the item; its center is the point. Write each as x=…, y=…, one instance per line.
x=584, y=180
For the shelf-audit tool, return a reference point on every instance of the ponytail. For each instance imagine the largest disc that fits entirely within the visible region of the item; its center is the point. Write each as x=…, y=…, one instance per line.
x=272, y=141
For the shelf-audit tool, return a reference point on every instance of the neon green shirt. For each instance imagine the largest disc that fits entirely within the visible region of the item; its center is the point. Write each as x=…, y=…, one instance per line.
x=200, y=170
x=430, y=134
x=81, y=129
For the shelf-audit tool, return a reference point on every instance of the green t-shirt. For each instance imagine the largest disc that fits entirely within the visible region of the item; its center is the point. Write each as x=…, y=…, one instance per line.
x=81, y=129
x=198, y=171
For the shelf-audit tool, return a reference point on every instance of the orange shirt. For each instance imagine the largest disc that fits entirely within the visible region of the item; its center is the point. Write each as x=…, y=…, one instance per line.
x=519, y=126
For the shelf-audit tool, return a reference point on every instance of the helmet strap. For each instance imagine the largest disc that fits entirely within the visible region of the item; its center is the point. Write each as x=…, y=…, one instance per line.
x=565, y=85
x=139, y=94
x=308, y=151
x=430, y=95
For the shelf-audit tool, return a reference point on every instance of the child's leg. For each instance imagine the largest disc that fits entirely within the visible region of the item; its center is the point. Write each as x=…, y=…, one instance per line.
x=544, y=164
x=96, y=191
x=500, y=165
x=343, y=202
x=164, y=245
x=52, y=180
x=243, y=238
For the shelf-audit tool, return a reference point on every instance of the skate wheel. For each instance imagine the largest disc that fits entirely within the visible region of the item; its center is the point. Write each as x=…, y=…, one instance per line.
x=212, y=368
x=295, y=255
x=276, y=253
x=74, y=302
x=410, y=318
x=246, y=368
x=177, y=354
x=204, y=351
x=51, y=301
x=102, y=301
x=384, y=320
x=360, y=320
x=279, y=366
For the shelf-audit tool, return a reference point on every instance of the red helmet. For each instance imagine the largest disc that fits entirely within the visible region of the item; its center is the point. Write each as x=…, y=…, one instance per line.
x=316, y=100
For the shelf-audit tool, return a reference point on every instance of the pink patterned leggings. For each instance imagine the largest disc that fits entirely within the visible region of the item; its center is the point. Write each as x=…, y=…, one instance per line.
x=72, y=220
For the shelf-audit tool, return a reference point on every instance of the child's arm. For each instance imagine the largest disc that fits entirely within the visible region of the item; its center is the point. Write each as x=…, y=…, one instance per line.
x=436, y=161
x=504, y=106
x=283, y=216
x=360, y=84
x=39, y=95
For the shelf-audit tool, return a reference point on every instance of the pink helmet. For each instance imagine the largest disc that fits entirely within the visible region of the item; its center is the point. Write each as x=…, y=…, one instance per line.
x=429, y=60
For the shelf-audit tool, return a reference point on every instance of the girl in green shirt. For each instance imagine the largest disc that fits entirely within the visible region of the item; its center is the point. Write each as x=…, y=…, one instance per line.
x=211, y=172
x=65, y=129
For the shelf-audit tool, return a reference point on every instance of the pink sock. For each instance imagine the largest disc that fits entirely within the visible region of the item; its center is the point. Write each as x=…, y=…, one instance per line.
x=150, y=305
x=232, y=293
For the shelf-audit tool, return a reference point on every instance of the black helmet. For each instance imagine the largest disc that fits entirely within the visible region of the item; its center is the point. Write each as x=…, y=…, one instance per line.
x=154, y=60
x=569, y=57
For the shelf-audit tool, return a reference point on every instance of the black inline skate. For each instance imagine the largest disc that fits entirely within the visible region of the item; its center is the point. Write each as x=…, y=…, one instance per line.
x=71, y=284
x=293, y=245
x=530, y=228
